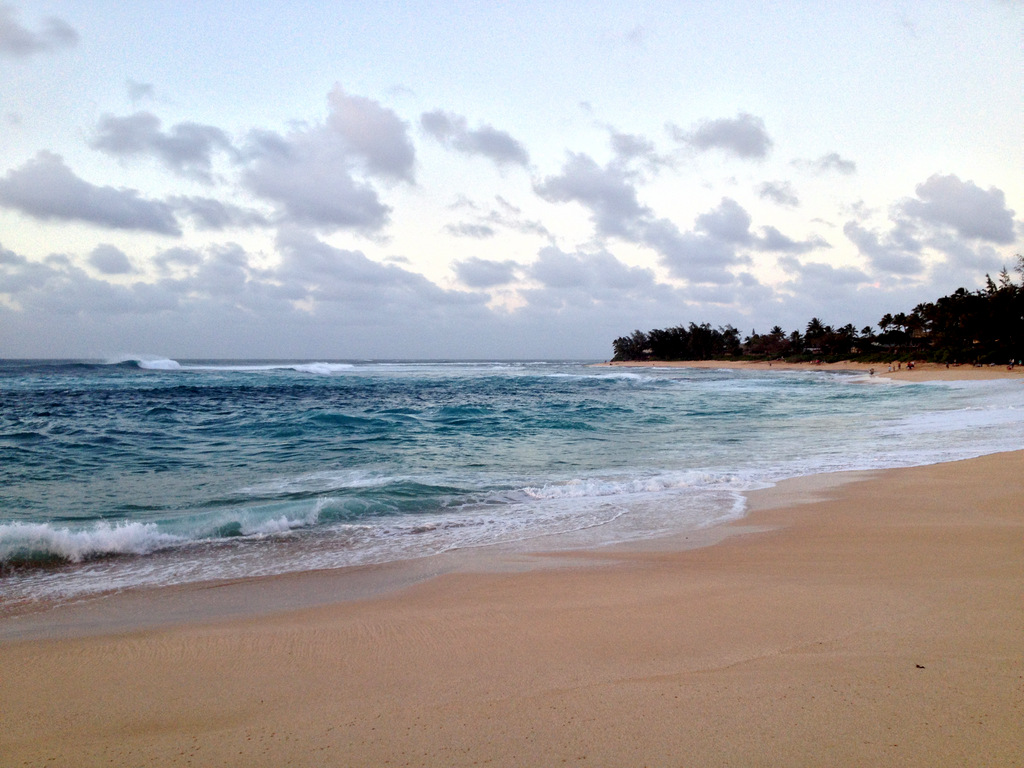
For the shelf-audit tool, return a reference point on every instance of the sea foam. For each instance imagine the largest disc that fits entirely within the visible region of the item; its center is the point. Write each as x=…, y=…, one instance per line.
x=40, y=542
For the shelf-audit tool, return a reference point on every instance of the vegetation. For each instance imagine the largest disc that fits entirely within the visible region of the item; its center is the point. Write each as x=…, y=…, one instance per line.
x=983, y=326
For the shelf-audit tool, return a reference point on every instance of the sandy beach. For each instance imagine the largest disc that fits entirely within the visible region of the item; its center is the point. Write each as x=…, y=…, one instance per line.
x=920, y=371
x=878, y=622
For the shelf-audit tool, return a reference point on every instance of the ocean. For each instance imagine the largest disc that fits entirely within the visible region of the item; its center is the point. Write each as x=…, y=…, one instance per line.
x=152, y=471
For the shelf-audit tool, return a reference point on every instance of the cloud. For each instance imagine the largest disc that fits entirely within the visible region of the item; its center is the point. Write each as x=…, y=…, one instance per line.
x=20, y=42
x=18, y=275
x=320, y=176
x=729, y=223
x=607, y=192
x=486, y=224
x=973, y=212
x=484, y=273
x=308, y=175
x=830, y=162
x=479, y=231
x=329, y=274
x=45, y=188
x=715, y=243
x=373, y=133
x=631, y=148
x=838, y=294
x=186, y=148
x=138, y=91
x=744, y=136
x=819, y=274
x=220, y=302
x=897, y=254
x=177, y=257
x=110, y=260
x=599, y=274
x=970, y=261
x=773, y=240
x=780, y=192
x=10, y=257
x=226, y=273
x=702, y=255
x=211, y=214
x=695, y=256
x=584, y=300
x=453, y=132
x=705, y=253
x=54, y=287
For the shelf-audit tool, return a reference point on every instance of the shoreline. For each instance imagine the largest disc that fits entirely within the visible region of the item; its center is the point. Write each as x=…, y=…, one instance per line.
x=920, y=372
x=91, y=612
x=146, y=607
x=868, y=619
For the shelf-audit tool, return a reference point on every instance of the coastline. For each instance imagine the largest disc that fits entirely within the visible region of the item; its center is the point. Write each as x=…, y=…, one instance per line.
x=868, y=619
x=920, y=372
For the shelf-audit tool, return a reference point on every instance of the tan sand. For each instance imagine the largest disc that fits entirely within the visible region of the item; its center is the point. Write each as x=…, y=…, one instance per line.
x=920, y=372
x=883, y=626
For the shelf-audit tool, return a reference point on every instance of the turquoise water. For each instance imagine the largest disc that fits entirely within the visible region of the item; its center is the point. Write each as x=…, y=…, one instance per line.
x=160, y=471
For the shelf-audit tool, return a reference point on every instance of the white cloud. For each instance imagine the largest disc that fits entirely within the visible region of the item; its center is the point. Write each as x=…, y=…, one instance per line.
x=139, y=91
x=212, y=214
x=705, y=255
x=453, y=131
x=607, y=192
x=308, y=175
x=600, y=274
x=17, y=41
x=186, y=148
x=820, y=275
x=973, y=212
x=55, y=287
x=321, y=176
x=110, y=260
x=729, y=222
x=780, y=192
x=465, y=229
x=967, y=260
x=484, y=273
x=336, y=275
x=774, y=240
x=694, y=256
x=373, y=133
x=45, y=188
x=486, y=223
x=830, y=162
x=632, y=148
x=744, y=136
x=896, y=254
x=177, y=258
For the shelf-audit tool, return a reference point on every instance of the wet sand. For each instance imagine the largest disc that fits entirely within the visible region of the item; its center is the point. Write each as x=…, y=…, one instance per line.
x=869, y=619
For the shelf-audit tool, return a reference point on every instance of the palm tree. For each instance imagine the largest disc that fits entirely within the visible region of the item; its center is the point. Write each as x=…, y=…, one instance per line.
x=815, y=330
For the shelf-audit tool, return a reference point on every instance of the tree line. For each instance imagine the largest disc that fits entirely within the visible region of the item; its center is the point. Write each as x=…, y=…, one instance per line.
x=981, y=326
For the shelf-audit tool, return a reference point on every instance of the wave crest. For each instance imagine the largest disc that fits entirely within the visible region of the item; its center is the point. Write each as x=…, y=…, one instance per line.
x=146, y=362
x=41, y=542
x=153, y=363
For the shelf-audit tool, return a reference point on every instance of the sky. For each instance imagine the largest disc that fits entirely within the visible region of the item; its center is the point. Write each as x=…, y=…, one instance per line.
x=529, y=180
